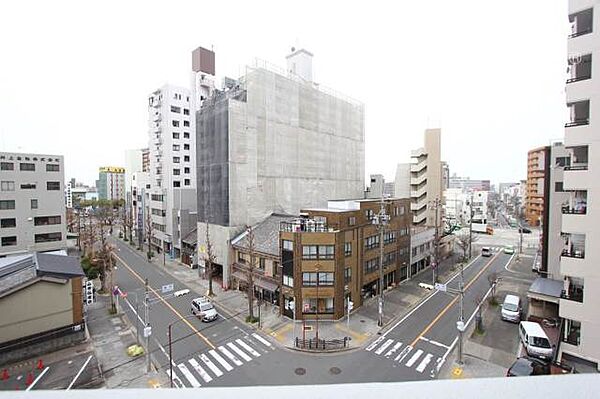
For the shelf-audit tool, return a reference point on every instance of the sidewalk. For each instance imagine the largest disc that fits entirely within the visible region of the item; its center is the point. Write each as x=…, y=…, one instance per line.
x=363, y=321
x=111, y=336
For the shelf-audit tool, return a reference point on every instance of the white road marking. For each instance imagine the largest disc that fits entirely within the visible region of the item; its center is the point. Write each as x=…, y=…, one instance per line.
x=393, y=350
x=220, y=359
x=80, y=371
x=384, y=346
x=424, y=363
x=434, y=342
x=374, y=344
x=247, y=347
x=414, y=358
x=176, y=381
x=188, y=375
x=403, y=354
x=39, y=377
x=200, y=370
x=239, y=351
x=231, y=356
x=211, y=365
x=261, y=340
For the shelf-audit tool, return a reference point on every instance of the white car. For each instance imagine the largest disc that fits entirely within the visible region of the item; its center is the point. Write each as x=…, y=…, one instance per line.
x=204, y=309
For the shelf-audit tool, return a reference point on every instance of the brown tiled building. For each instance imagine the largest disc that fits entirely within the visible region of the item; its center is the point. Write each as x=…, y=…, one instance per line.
x=538, y=162
x=331, y=255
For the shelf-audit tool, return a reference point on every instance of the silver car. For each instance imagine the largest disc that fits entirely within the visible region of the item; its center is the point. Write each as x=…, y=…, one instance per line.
x=204, y=309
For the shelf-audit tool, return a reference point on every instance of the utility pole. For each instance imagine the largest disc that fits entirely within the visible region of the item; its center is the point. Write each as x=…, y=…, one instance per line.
x=436, y=205
x=460, y=325
x=147, y=322
x=381, y=220
x=317, y=309
x=471, y=227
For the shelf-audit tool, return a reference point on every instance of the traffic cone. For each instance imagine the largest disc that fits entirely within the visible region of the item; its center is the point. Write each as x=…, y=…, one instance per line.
x=29, y=379
x=5, y=375
x=40, y=364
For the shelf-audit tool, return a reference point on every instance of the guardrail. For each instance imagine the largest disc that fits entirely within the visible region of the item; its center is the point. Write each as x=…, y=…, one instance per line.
x=318, y=345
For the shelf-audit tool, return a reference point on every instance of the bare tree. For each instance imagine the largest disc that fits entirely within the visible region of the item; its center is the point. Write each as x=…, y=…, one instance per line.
x=209, y=261
x=478, y=301
x=251, y=266
x=464, y=240
x=127, y=223
x=105, y=216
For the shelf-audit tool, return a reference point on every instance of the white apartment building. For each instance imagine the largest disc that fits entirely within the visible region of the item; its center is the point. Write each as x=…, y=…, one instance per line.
x=172, y=144
x=581, y=232
x=32, y=203
x=140, y=199
x=111, y=183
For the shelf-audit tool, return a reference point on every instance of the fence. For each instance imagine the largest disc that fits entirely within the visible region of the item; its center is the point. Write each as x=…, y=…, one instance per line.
x=322, y=344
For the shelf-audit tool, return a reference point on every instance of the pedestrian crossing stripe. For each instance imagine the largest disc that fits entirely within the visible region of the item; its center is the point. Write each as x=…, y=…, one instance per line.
x=211, y=365
x=374, y=344
x=230, y=356
x=247, y=347
x=220, y=359
x=393, y=350
x=200, y=370
x=237, y=350
x=414, y=358
x=424, y=363
x=261, y=340
x=384, y=346
x=188, y=375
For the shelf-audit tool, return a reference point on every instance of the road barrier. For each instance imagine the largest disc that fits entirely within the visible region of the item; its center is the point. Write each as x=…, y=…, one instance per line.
x=318, y=345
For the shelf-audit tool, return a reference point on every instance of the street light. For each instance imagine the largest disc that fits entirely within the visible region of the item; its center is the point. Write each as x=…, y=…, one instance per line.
x=171, y=345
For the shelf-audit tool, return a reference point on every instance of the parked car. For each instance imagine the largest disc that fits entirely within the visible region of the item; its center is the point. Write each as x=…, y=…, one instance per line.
x=509, y=249
x=204, y=309
x=535, y=340
x=486, y=251
x=511, y=308
x=526, y=366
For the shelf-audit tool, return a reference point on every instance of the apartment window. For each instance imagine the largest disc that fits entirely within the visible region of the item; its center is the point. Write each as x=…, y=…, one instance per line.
x=288, y=281
x=175, y=135
x=326, y=252
x=53, y=185
x=175, y=109
x=175, y=123
x=401, y=210
x=28, y=186
x=7, y=204
x=186, y=123
x=7, y=223
x=309, y=252
x=389, y=258
x=558, y=187
x=563, y=161
x=175, y=147
x=369, y=214
x=46, y=220
x=241, y=258
x=157, y=197
x=414, y=251
x=186, y=111
x=372, y=242
x=309, y=279
x=403, y=231
x=186, y=146
x=325, y=278
x=34, y=204
x=186, y=182
x=176, y=159
x=288, y=245
x=347, y=275
x=186, y=158
x=347, y=248
x=7, y=186
x=186, y=135
x=176, y=172
x=371, y=265
x=352, y=220
x=29, y=167
x=176, y=183
x=7, y=166
x=48, y=237
x=261, y=263
x=186, y=170
x=9, y=241
x=52, y=167
x=389, y=237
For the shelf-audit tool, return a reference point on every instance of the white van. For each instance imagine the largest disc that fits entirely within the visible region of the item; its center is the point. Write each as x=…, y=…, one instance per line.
x=486, y=251
x=535, y=340
x=511, y=308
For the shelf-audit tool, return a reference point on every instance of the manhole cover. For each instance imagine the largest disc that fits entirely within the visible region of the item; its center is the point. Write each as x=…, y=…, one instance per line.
x=300, y=371
x=335, y=370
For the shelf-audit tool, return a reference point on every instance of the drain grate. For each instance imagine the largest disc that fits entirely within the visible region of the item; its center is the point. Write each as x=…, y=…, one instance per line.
x=335, y=370
x=300, y=371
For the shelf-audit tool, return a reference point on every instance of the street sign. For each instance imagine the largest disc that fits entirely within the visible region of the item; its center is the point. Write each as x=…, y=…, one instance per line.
x=167, y=288
x=440, y=287
x=147, y=331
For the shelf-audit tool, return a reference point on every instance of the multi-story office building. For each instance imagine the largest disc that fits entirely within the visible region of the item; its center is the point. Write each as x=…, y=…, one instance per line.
x=581, y=233
x=331, y=255
x=466, y=183
x=134, y=162
x=538, y=162
x=111, y=183
x=32, y=203
x=172, y=167
x=274, y=141
x=145, y=160
x=422, y=180
x=140, y=198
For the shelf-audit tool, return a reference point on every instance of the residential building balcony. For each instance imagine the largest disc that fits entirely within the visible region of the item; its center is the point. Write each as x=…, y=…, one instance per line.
x=157, y=117
x=417, y=167
x=418, y=192
x=304, y=225
x=573, y=289
x=574, y=246
x=580, y=68
x=581, y=23
x=572, y=332
x=579, y=113
x=419, y=178
x=576, y=205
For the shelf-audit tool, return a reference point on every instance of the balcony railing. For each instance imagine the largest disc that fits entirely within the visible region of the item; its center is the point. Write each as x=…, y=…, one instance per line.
x=578, y=122
x=576, y=167
x=575, y=253
x=575, y=294
x=579, y=209
x=303, y=225
x=578, y=78
x=580, y=33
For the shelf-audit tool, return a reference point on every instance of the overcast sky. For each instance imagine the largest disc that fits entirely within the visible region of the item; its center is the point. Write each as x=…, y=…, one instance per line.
x=75, y=76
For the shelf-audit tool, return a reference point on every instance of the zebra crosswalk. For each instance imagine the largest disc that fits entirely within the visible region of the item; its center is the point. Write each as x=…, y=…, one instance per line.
x=404, y=354
x=205, y=367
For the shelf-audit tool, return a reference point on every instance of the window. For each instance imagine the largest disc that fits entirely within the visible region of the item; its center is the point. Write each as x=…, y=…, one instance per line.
x=7, y=186
x=175, y=135
x=414, y=251
x=403, y=231
x=9, y=241
x=34, y=204
x=176, y=159
x=372, y=242
x=288, y=245
x=186, y=135
x=186, y=123
x=389, y=258
x=48, y=237
x=28, y=186
x=309, y=252
x=309, y=279
x=186, y=158
x=288, y=281
x=175, y=109
x=186, y=146
x=175, y=123
x=7, y=166
x=186, y=170
x=352, y=220
x=389, y=237
x=29, y=167
x=395, y=211
x=347, y=248
x=186, y=111
x=7, y=204
x=176, y=172
x=326, y=252
x=7, y=223
x=369, y=214
x=51, y=167
x=372, y=265
x=347, y=275
x=325, y=278
x=186, y=182
x=261, y=263
x=176, y=183
x=563, y=161
x=53, y=185
x=558, y=187
x=46, y=220
x=175, y=147
x=401, y=210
